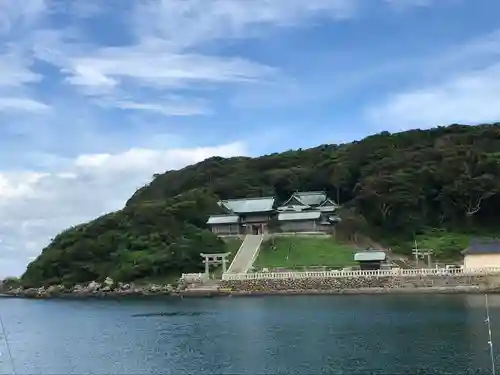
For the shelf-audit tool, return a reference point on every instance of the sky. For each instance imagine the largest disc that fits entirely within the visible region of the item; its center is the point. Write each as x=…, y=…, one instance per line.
x=96, y=96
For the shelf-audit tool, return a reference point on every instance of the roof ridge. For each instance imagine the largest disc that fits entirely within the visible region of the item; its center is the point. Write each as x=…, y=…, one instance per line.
x=329, y=199
x=484, y=239
x=247, y=199
x=310, y=192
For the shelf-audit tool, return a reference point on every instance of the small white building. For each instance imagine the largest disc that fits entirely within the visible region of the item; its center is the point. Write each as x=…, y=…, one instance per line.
x=482, y=253
x=370, y=260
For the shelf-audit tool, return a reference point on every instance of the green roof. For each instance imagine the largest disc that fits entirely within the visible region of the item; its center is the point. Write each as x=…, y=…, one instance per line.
x=306, y=215
x=370, y=256
x=248, y=205
x=223, y=219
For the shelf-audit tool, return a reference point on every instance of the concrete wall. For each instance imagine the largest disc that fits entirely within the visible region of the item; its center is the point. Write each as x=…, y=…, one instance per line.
x=349, y=283
x=255, y=219
x=303, y=226
x=298, y=226
x=481, y=260
x=324, y=228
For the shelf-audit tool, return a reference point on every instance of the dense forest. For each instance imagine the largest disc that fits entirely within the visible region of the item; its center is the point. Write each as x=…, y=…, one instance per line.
x=391, y=186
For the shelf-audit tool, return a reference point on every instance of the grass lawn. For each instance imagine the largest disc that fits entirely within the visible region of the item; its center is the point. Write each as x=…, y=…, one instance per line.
x=300, y=252
x=447, y=245
x=232, y=246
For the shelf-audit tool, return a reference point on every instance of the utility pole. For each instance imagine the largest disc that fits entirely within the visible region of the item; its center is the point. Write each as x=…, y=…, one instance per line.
x=416, y=253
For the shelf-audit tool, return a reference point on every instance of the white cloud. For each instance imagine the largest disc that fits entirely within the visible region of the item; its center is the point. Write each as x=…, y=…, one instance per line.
x=411, y=3
x=469, y=98
x=16, y=22
x=18, y=185
x=22, y=104
x=17, y=15
x=166, y=109
x=15, y=78
x=460, y=85
x=36, y=206
x=203, y=20
x=119, y=76
x=163, y=57
x=15, y=71
x=154, y=66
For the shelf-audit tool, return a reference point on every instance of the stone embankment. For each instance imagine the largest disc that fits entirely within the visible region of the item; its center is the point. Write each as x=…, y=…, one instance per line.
x=299, y=286
x=360, y=284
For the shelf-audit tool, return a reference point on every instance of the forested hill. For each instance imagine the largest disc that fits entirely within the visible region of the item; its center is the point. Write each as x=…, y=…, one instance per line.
x=446, y=176
x=397, y=184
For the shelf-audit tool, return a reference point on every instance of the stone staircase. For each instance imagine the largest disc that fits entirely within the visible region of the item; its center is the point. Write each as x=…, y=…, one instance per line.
x=246, y=254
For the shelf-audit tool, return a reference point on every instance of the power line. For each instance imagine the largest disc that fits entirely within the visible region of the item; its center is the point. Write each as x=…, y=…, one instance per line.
x=8, y=346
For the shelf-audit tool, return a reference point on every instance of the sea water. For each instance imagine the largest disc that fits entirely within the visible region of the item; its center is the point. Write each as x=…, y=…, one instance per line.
x=378, y=334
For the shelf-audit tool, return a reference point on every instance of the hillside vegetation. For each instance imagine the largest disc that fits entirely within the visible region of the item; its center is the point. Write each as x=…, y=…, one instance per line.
x=150, y=241
x=393, y=187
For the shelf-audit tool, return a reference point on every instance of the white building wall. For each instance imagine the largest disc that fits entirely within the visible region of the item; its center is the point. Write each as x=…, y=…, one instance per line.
x=481, y=260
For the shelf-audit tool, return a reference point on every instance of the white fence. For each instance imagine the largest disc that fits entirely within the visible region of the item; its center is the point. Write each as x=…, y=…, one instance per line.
x=373, y=273
x=194, y=277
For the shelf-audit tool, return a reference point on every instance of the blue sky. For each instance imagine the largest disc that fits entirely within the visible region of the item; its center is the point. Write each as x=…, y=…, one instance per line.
x=96, y=96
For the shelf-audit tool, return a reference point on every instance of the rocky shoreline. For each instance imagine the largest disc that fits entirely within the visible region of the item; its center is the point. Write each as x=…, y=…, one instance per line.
x=93, y=289
x=227, y=293
x=167, y=290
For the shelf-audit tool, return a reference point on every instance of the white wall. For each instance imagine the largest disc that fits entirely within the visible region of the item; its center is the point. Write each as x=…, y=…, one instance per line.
x=481, y=260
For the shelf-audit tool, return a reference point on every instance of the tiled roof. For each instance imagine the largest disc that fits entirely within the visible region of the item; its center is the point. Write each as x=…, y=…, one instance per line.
x=223, y=219
x=240, y=206
x=329, y=203
x=369, y=256
x=311, y=198
x=327, y=208
x=306, y=215
x=292, y=208
x=293, y=201
x=483, y=246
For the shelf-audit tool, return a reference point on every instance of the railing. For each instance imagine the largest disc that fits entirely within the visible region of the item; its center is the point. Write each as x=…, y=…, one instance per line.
x=301, y=234
x=194, y=277
x=255, y=254
x=371, y=273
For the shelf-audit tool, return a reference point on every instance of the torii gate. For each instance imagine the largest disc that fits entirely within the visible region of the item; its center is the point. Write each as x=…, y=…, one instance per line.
x=215, y=259
x=422, y=253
